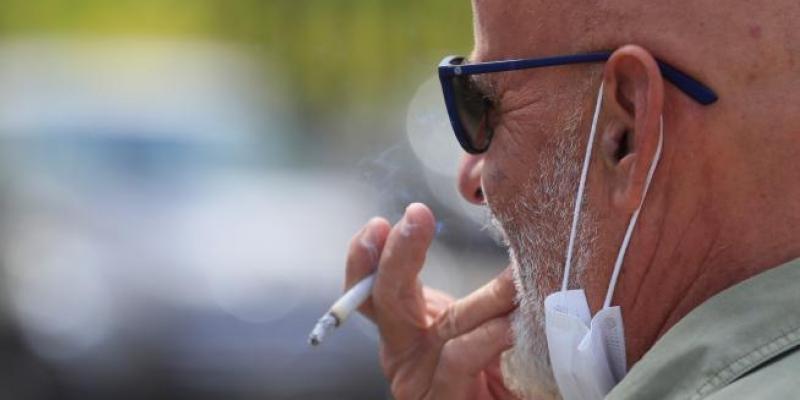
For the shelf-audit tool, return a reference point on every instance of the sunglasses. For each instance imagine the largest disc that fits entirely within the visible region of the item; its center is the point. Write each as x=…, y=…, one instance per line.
x=469, y=108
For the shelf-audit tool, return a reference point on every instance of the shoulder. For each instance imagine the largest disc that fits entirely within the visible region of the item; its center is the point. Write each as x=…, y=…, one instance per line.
x=743, y=343
x=777, y=379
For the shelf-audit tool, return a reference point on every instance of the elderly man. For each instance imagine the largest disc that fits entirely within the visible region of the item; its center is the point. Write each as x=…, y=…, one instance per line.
x=684, y=110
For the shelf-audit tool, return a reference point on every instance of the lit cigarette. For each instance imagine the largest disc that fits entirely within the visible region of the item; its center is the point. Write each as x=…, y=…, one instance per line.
x=342, y=309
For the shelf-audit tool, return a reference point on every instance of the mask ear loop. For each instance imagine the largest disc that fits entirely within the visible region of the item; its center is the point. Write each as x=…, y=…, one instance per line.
x=634, y=218
x=576, y=213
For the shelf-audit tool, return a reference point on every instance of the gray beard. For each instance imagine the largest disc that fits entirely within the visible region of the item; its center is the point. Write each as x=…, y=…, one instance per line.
x=536, y=230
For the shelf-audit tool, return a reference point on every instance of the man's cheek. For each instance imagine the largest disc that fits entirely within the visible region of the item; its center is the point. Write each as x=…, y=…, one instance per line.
x=493, y=183
x=504, y=175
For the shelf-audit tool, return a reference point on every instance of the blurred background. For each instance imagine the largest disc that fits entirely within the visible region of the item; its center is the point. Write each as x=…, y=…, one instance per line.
x=179, y=181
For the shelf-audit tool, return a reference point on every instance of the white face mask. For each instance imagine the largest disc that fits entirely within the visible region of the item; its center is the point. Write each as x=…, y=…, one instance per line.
x=588, y=354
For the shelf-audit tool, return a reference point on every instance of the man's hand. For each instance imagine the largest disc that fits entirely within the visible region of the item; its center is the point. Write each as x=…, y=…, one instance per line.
x=432, y=347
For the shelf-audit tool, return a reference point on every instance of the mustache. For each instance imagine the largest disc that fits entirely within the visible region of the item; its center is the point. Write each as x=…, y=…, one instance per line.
x=494, y=228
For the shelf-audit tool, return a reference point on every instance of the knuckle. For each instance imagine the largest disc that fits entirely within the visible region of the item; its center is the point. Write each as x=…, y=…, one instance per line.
x=447, y=325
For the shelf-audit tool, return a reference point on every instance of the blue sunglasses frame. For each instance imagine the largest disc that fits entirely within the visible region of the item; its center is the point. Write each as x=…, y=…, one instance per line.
x=453, y=66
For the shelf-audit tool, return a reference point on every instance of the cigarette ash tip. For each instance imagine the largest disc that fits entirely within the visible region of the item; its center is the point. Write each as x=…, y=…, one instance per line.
x=325, y=324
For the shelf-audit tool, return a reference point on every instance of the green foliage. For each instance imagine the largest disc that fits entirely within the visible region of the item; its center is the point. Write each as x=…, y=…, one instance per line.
x=331, y=51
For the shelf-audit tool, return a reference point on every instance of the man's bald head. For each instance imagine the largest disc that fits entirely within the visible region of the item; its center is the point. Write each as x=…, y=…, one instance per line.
x=731, y=46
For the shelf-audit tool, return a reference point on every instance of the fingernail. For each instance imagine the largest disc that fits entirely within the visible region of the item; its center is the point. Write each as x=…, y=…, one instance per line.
x=368, y=242
x=407, y=225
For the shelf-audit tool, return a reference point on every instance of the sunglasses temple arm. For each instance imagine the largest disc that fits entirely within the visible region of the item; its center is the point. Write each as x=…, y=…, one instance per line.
x=692, y=87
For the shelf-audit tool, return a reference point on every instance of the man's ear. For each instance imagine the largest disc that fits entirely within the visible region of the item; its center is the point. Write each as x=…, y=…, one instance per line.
x=632, y=105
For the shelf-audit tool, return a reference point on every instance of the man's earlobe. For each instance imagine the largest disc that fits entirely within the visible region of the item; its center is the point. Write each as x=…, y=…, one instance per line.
x=633, y=99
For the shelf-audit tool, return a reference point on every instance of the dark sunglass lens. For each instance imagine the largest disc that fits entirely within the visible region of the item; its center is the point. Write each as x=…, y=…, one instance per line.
x=473, y=109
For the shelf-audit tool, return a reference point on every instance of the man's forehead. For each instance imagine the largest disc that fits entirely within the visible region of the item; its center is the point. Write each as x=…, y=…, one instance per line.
x=526, y=28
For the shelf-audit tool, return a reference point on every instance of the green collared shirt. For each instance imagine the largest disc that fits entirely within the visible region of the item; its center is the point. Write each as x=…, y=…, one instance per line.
x=743, y=343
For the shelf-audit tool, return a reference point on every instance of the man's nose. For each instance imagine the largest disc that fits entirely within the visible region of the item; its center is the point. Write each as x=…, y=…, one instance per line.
x=469, y=178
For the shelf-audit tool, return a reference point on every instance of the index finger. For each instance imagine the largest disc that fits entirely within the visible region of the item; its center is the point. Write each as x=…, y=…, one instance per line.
x=494, y=299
